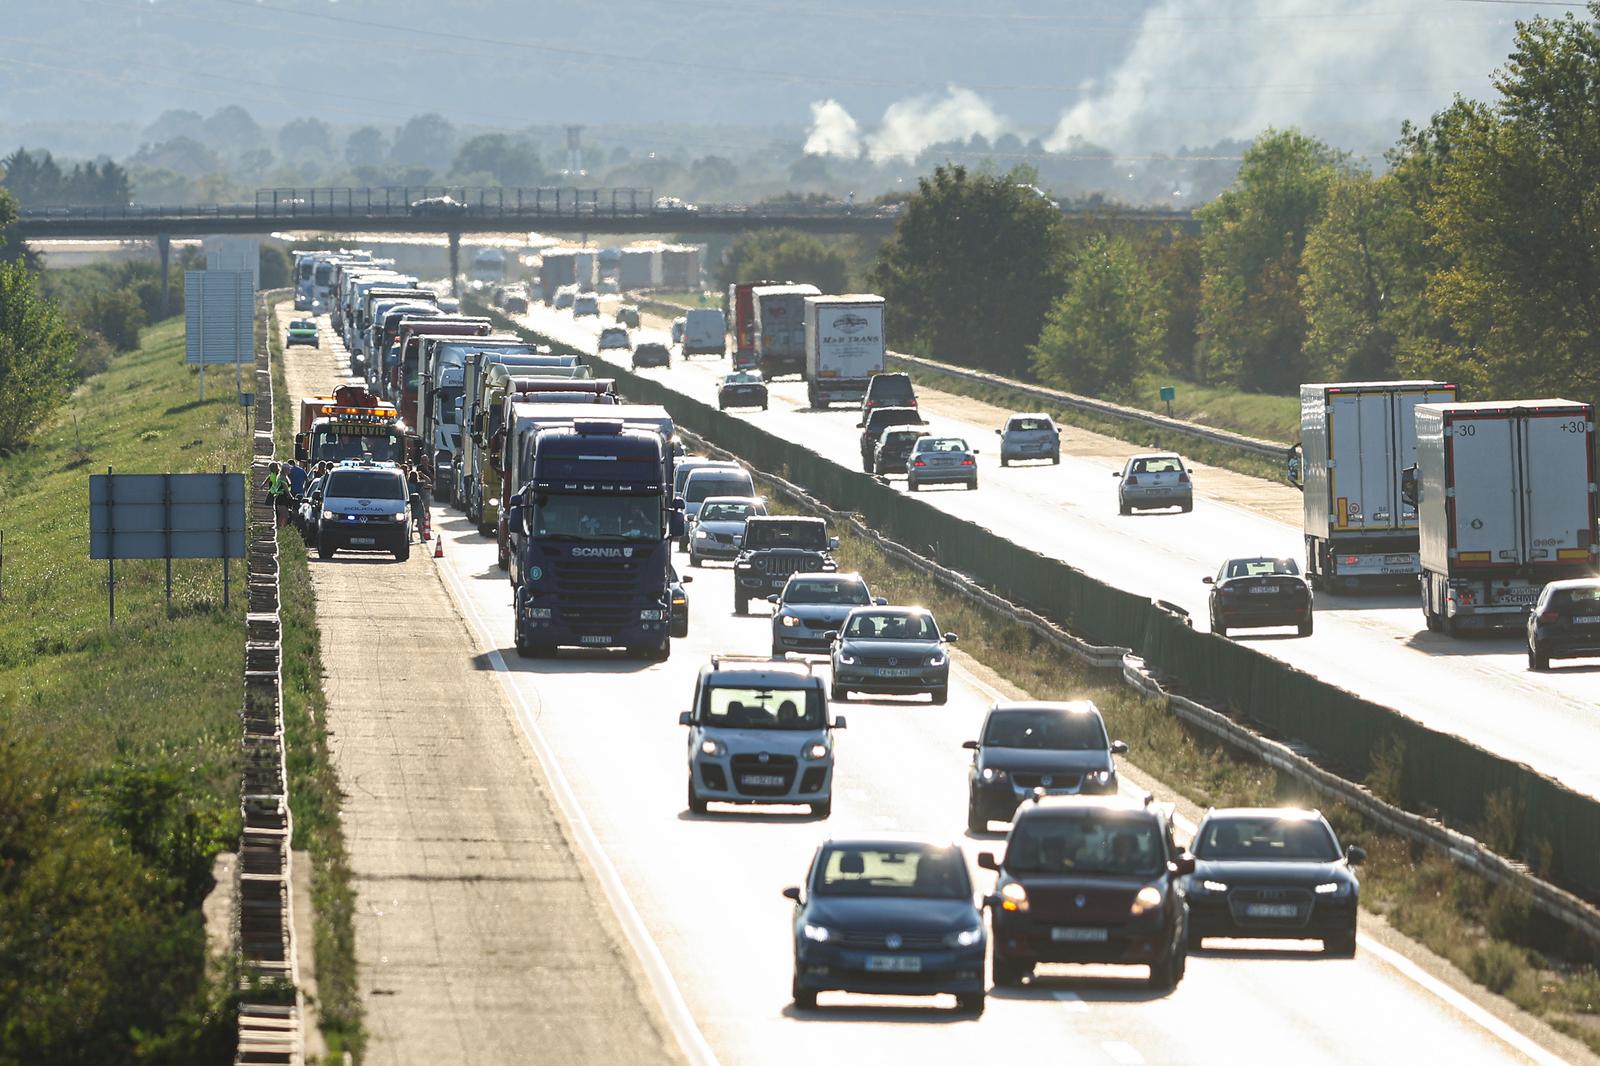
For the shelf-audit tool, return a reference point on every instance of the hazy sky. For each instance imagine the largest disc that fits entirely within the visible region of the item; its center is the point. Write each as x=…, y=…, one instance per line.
x=880, y=77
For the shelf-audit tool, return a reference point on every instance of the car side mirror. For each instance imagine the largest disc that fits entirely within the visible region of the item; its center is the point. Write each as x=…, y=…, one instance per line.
x=970, y=745
x=1119, y=747
x=686, y=579
x=861, y=425
x=951, y=638
x=686, y=718
x=1116, y=473
x=792, y=893
x=1183, y=864
x=1208, y=580
x=772, y=598
x=840, y=722
x=1355, y=856
x=880, y=601
x=987, y=861
x=832, y=635
x=999, y=432
x=977, y=451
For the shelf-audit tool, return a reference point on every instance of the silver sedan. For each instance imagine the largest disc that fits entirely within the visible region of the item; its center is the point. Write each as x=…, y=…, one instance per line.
x=895, y=650
x=941, y=461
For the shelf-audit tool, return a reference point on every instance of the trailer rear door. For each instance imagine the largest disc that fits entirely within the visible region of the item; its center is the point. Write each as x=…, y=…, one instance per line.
x=1558, y=515
x=1362, y=446
x=1484, y=483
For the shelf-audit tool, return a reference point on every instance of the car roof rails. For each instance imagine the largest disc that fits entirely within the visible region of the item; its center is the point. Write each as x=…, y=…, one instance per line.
x=740, y=658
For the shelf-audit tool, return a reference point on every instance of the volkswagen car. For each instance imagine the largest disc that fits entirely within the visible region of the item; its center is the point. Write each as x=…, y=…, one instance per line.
x=1273, y=873
x=1260, y=592
x=891, y=917
x=613, y=339
x=651, y=353
x=742, y=388
x=303, y=331
x=1024, y=747
x=813, y=605
x=891, y=650
x=893, y=452
x=1028, y=437
x=1150, y=482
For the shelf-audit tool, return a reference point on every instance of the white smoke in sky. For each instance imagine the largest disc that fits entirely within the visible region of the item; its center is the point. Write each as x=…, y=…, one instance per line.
x=907, y=127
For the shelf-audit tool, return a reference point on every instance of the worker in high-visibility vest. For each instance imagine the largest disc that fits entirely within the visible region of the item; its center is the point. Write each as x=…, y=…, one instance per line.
x=279, y=493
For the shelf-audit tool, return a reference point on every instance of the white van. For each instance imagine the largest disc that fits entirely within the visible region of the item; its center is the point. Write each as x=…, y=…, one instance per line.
x=705, y=332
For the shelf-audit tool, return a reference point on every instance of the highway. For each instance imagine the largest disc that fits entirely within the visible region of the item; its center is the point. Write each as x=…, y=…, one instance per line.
x=700, y=894
x=1376, y=646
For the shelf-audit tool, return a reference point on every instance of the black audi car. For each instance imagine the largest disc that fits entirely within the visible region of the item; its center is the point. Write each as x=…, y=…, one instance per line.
x=742, y=388
x=1273, y=873
x=1257, y=592
x=1090, y=879
x=1565, y=622
x=1059, y=747
x=892, y=917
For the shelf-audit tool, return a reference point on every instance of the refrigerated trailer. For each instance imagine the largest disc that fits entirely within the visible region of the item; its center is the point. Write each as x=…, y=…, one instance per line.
x=1356, y=441
x=1505, y=495
x=844, y=346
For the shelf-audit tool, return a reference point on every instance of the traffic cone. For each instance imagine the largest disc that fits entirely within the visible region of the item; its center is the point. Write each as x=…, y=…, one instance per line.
x=438, y=546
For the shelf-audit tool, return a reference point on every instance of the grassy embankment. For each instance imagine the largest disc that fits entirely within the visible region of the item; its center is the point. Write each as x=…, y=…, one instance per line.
x=314, y=793
x=1492, y=935
x=120, y=775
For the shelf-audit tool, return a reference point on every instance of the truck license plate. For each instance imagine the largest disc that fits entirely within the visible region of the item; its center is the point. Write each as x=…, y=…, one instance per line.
x=1076, y=935
x=363, y=540
x=1522, y=597
x=894, y=964
x=1271, y=910
x=761, y=780
x=594, y=640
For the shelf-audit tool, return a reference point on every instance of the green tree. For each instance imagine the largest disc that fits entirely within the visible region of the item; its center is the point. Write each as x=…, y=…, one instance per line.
x=36, y=351
x=365, y=147
x=301, y=139
x=114, y=314
x=972, y=269
x=787, y=255
x=1352, y=270
x=1252, y=321
x=495, y=159
x=1107, y=328
x=276, y=268
x=424, y=141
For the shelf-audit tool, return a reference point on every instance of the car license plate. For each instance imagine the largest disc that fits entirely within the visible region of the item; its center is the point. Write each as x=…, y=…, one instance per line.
x=594, y=640
x=893, y=671
x=1079, y=935
x=363, y=540
x=1587, y=620
x=894, y=964
x=1264, y=588
x=761, y=780
x=1271, y=910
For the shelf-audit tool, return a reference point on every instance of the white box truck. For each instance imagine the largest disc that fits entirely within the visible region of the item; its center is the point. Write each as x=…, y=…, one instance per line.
x=844, y=346
x=1505, y=494
x=1356, y=441
x=780, y=338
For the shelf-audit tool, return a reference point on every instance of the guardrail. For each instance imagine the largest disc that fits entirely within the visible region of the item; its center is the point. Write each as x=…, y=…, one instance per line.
x=1270, y=449
x=270, y=1008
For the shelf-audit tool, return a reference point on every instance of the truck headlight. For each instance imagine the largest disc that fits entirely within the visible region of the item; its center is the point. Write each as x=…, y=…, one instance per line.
x=655, y=614
x=1146, y=900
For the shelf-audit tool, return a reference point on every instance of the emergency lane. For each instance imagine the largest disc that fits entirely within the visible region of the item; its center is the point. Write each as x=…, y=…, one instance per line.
x=1375, y=646
x=706, y=888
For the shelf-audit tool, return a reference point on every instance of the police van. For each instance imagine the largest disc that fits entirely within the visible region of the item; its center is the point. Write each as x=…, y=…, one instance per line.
x=366, y=506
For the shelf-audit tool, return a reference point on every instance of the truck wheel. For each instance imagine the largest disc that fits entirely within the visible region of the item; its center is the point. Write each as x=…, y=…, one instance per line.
x=1305, y=627
x=696, y=804
x=403, y=552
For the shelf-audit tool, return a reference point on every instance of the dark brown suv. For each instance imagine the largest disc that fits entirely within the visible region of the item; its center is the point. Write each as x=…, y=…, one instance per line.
x=1090, y=879
x=879, y=419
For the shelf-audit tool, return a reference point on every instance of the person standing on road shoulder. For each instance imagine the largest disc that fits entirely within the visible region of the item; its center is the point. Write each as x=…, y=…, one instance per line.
x=422, y=485
x=278, y=493
x=297, y=480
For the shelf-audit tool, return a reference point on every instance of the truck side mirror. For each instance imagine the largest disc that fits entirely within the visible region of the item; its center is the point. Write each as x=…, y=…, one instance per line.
x=301, y=452
x=1410, y=487
x=514, y=516
x=675, y=522
x=1294, y=465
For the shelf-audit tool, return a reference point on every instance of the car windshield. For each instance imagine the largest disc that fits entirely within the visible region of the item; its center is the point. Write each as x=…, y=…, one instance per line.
x=875, y=870
x=1157, y=464
x=1053, y=844
x=726, y=512
x=901, y=439
x=1027, y=425
x=620, y=518
x=613, y=336
x=742, y=378
x=1265, y=839
x=1262, y=567
x=942, y=444
x=366, y=485
x=302, y=324
x=826, y=590
x=884, y=417
x=890, y=386
x=683, y=470
x=809, y=535
x=1048, y=730
x=762, y=708
x=874, y=625
x=697, y=489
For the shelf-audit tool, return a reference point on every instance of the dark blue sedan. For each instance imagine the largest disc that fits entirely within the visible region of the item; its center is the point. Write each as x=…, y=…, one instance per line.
x=888, y=917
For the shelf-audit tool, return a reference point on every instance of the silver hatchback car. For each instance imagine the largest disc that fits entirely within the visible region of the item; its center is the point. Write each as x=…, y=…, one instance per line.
x=1149, y=482
x=1028, y=437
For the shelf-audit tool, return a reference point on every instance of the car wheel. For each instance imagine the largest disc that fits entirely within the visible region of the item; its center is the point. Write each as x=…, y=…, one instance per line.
x=1219, y=630
x=779, y=653
x=1342, y=946
x=911, y=486
x=1193, y=939
x=1536, y=661
x=1165, y=975
x=1004, y=461
x=324, y=549
x=1306, y=626
x=838, y=695
x=741, y=605
x=1186, y=508
x=940, y=696
x=804, y=998
x=696, y=804
x=1124, y=509
x=823, y=809
x=661, y=652
x=694, y=560
x=402, y=553
x=976, y=822
x=973, y=484
x=1055, y=460
x=1009, y=974
x=971, y=1002
x=763, y=407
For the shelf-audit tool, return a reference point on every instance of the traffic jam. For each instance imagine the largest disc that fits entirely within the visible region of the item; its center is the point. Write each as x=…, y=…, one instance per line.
x=594, y=505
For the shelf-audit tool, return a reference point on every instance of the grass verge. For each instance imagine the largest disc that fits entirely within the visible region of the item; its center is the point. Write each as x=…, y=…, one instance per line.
x=119, y=745
x=314, y=794
x=1196, y=449
x=1253, y=413
x=1492, y=935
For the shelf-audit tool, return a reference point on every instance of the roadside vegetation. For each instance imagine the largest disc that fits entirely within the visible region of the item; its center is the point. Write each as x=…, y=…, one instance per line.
x=119, y=772
x=1491, y=935
x=314, y=794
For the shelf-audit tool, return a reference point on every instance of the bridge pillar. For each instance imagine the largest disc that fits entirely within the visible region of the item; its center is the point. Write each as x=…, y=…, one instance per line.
x=164, y=246
x=455, y=264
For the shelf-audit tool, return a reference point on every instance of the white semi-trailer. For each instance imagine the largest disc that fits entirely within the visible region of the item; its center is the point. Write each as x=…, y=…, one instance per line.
x=1505, y=494
x=844, y=346
x=1356, y=441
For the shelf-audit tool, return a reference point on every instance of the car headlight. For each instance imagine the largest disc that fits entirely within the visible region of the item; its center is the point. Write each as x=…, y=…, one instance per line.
x=1145, y=900
x=1214, y=886
x=846, y=659
x=401, y=517
x=790, y=621
x=991, y=774
x=964, y=938
x=1014, y=898
x=819, y=933
x=1099, y=777
x=653, y=614
x=1333, y=888
x=817, y=751
x=329, y=515
x=936, y=660
x=701, y=534
x=713, y=747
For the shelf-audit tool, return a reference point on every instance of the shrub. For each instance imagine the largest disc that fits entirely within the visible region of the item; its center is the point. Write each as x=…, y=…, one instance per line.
x=115, y=314
x=93, y=356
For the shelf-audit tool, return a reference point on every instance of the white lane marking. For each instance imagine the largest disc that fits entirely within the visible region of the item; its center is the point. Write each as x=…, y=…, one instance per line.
x=856, y=795
x=1121, y=1052
x=690, y=1039
x=1073, y=1002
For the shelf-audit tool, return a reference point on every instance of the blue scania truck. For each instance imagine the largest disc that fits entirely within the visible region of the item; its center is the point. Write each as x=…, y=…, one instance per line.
x=595, y=522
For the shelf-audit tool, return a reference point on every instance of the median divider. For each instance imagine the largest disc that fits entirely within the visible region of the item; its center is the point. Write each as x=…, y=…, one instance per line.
x=1334, y=735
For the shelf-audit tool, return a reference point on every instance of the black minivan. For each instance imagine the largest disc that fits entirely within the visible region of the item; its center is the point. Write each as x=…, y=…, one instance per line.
x=888, y=390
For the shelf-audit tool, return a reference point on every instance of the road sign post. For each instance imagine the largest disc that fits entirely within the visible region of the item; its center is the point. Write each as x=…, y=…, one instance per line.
x=1169, y=393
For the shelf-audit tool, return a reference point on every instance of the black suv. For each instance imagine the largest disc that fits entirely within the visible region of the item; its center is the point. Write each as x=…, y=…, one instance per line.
x=888, y=390
x=774, y=547
x=879, y=419
x=1090, y=880
x=651, y=353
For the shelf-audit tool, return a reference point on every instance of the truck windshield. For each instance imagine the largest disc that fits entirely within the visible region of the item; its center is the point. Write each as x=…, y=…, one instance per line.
x=586, y=517
x=447, y=405
x=333, y=446
x=762, y=708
